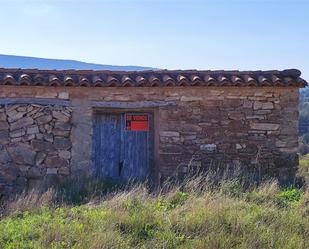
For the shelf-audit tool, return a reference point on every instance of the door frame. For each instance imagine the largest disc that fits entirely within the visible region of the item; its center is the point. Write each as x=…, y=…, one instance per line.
x=154, y=174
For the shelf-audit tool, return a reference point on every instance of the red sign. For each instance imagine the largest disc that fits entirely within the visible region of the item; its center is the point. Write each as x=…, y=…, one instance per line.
x=137, y=122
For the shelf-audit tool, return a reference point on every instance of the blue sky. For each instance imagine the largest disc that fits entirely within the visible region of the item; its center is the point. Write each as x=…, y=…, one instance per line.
x=230, y=34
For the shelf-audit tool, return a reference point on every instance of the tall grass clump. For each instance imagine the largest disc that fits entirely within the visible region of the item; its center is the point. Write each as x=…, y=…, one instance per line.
x=197, y=213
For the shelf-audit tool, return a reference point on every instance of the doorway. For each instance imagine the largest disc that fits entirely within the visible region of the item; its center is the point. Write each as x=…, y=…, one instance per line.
x=123, y=145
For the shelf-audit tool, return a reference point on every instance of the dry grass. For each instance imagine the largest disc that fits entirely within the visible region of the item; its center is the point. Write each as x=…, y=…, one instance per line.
x=28, y=201
x=199, y=213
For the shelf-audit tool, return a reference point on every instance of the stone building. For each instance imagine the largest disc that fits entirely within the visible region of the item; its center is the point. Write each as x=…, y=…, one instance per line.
x=157, y=124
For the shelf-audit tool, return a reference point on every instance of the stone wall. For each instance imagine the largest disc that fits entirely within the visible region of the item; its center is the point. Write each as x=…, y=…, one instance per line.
x=253, y=129
x=254, y=132
x=35, y=145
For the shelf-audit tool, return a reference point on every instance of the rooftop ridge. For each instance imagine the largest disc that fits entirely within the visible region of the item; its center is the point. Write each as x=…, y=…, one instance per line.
x=160, y=77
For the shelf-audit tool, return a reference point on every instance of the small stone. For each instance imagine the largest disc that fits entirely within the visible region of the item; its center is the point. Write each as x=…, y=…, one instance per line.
x=48, y=127
x=263, y=105
x=194, y=127
x=63, y=95
x=257, y=105
x=66, y=113
x=289, y=150
x=32, y=113
x=36, y=105
x=15, y=117
x=281, y=144
x=12, y=113
x=196, y=110
x=21, y=123
x=61, y=133
x=190, y=137
x=247, y=104
x=190, y=98
x=63, y=126
x=17, y=133
x=33, y=129
x=51, y=171
x=60, y=116
x=4, y=125
x=48, y=137
x=37, y=113
x=61, y=143
x=55, y=162
x=22, y=108
x=9, y=172
x=16, y=139
x=21, y=153
x=39, y=136
x=169, y=134
x=42, y=129
x=4, y=156
x=2, y=116
x=64, y=171
x=40, y=157
x=4, y=137
x=208, y=147
x=65, y=154
x=28, y=137
x=30, y=108
x=264, y=126
x=69, y=109
x=10, y=108
x=268, y=106
x=236, y=116
x=262, y=112
x=259, y=93
x=41, y=145
x=46, y=95
x=259, y=117
x=44, y=119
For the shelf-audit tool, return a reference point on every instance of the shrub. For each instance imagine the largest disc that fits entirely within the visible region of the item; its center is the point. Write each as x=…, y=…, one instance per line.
x=289, y=196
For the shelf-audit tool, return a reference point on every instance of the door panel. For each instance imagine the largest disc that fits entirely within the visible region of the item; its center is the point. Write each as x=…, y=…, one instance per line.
x=107, y=145
x=121, y=153
x=137, y=147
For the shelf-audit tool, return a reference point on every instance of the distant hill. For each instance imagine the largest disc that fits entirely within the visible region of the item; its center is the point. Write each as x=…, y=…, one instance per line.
x=13, y=61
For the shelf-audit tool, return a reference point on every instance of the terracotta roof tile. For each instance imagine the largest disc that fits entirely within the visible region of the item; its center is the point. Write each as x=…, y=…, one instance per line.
x=112, y=81
x=154, y=81
x=159, y=78
x=195, y=80
x=141, y=81
x=209, y=80
x=236, y=80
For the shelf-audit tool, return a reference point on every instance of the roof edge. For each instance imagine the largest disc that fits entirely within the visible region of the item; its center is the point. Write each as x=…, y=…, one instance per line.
x=107, y=78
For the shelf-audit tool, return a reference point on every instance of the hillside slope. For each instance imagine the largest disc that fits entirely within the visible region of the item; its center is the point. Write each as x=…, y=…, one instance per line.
x=12, y=61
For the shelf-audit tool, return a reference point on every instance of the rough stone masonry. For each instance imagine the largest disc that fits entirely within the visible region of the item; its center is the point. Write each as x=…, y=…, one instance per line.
x=35, y=144
x=219, y=120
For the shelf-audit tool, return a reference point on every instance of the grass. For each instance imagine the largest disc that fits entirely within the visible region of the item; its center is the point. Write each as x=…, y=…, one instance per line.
x=304, y=166
x=197, y=214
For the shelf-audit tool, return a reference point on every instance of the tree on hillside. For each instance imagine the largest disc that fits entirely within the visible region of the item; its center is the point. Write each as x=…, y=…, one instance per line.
x=304, y=120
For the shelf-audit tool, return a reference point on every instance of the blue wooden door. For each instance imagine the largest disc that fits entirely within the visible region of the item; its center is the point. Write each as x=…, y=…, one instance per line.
x=122, y=153
x=107, y=145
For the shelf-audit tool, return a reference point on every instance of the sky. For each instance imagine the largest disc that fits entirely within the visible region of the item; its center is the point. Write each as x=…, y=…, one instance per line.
x=172, y=34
